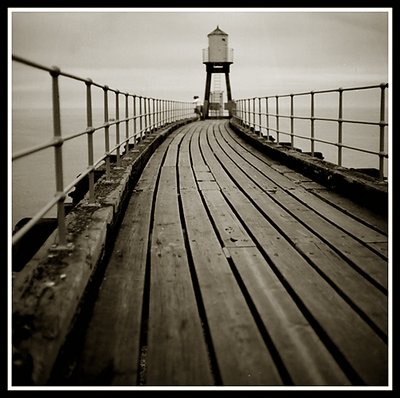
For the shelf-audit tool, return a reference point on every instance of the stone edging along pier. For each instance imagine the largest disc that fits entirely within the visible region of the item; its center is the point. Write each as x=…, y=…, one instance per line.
x=47, y=292
x=359, y=187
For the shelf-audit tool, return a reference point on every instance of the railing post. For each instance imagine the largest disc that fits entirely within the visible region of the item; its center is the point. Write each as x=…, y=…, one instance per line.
x=154, y=128
x=145, y=116
x=134, y=121
x=254, y=114
x=247, y=122
x=126, y=123
x=158, y=114
x=267, y=114
x=140, y=118
x=244, y=113
x=62, y=231
x=117, y=139
x=259, y=114
x=149, y=115
x=107, y=134
x=291, y=121
x=90, y=131
x=312, y=123
x=277, y=118
x=340, y=128
x=382, y=133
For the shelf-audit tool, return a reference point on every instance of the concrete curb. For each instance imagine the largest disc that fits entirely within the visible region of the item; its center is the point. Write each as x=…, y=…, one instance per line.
x=48, y=291
x=363, y=189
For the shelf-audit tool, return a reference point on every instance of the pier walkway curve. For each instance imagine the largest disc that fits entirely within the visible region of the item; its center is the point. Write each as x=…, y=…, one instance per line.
x=229, y=268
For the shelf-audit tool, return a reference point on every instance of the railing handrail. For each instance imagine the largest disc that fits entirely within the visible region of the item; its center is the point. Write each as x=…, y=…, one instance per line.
x=324, y=91
x=246, y=111
x=152, y=114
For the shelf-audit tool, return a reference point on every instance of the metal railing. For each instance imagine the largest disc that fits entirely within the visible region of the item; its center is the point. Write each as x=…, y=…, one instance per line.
x=150, y=114
x=249, y=112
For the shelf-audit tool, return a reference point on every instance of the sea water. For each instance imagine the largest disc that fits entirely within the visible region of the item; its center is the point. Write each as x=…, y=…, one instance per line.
x=33, y=177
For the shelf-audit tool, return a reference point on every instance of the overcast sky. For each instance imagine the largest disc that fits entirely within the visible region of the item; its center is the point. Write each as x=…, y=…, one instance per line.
x=159, y=53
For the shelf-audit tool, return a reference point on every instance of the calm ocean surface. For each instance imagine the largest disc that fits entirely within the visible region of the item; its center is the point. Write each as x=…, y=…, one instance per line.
x=33, y=181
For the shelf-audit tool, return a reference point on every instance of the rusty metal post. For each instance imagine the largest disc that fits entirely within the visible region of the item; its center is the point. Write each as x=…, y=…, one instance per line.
x=126, y=123
x=340, y=128
x=277, y=118
x=382, y=133
x=254, y=114
x=244, y=113
x=140, y=118
x=267, y=118
x=90, y=131
x=134, y=121
x=259, y=114
x=157, y=113
x=107, y=134
x=117, y=139
x=312, y=123
x=154, y=127
x=149, y=115
x=62, y=231
x=291, y=121
x=145, y=115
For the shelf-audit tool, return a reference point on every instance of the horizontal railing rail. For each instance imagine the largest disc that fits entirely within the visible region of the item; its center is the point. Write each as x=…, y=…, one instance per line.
x=254, y=113
x=148, y=115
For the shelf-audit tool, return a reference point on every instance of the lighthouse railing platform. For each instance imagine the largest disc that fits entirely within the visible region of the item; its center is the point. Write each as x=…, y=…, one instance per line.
x=263, y=114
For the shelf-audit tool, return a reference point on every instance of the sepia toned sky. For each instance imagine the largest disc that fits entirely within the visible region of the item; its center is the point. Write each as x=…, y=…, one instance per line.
x=158, y=52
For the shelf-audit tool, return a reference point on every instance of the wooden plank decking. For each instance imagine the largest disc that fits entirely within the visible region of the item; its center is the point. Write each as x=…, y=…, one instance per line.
x=230, y=269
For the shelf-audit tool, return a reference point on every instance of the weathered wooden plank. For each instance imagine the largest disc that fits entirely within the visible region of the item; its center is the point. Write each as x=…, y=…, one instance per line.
x=297, y=177
x=172, y=153
x=315, y=249
x=203, y=175
x=177, y=352
x=356, y=252
x=184, y=153
x=148, y=178
x=334, y=215
x=370, y=300
x=358, y=290
x=197, y=158
x=363, y=258
x=217, y=170
x=110, y=353
x=347, y=206
x=343, y=325
x=340, y=219
x=241, y=353
x=230, y=229
x=186, y=180
x=206, y=185
x=306, y=359
x=331, y=311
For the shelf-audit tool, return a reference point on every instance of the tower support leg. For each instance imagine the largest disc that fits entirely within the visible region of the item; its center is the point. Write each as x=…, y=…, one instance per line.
x=228, y=92
x=207, y=95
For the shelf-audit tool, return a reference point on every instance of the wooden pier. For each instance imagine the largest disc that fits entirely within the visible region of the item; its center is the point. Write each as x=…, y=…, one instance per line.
x=232, y=269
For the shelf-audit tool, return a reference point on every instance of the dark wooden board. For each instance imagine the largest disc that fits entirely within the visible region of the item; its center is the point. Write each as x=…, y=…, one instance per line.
x=177, y=352
x=110, y=354
x=241, y=353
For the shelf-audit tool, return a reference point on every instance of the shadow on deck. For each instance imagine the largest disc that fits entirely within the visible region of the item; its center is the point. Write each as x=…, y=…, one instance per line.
x=228, y=268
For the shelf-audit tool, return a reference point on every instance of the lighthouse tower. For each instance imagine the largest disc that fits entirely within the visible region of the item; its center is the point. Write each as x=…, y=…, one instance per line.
x=217, y=57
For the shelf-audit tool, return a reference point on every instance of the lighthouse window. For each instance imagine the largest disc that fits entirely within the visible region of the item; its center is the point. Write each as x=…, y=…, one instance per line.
x=223, y=39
